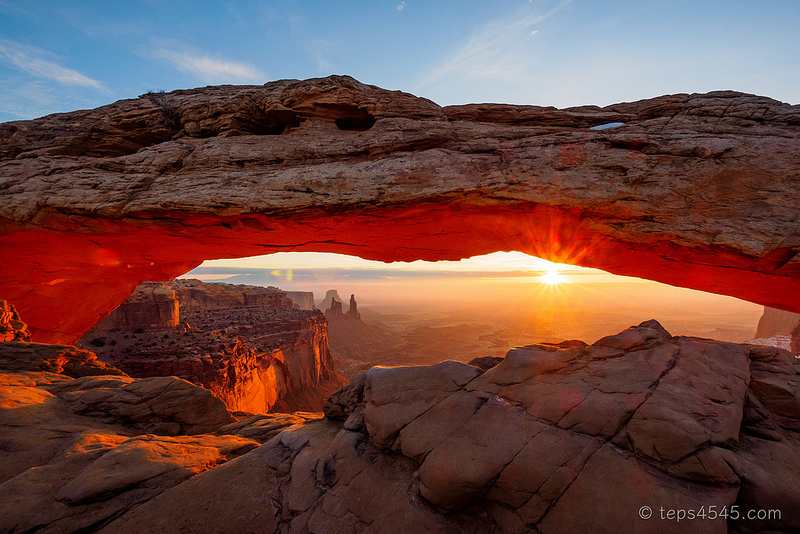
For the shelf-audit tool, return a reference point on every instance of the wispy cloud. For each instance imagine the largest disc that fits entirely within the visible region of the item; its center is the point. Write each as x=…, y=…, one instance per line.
x=41, y=64
x=497, y=50
x=210, y=70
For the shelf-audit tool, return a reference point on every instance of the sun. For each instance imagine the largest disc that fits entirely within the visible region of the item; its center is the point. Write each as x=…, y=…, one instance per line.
x=552, y=277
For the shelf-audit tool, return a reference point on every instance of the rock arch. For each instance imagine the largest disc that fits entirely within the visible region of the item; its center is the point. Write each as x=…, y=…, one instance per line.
x=700, y=191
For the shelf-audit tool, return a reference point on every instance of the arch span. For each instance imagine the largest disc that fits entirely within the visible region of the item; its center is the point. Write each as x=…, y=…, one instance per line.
x=699, y=191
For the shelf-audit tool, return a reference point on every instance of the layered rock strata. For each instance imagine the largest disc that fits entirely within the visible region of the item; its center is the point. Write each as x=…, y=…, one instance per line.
x=246, y=344
x=302, y=299
x=695, y=190
x=152, y=306
x=17, y=353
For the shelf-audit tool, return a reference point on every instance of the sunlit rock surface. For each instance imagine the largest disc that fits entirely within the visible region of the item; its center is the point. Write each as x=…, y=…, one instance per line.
x=249, y=345
x=11, y=326
x=697, y=190
x=554, y=438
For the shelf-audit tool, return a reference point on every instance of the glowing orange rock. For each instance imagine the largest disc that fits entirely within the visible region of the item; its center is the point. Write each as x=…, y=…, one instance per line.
x=698, y=191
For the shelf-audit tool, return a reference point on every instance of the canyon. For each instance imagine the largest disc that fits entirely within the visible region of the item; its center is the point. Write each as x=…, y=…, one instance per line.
x=250, y=346
x=697, y=190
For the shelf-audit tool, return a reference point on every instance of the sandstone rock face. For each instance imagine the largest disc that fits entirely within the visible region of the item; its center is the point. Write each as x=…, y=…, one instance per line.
x=60, y=359
x=17, y=353
x=152, y=306
x=693, y=190
x=795, y=340
x=776, y=323
x=302, y=299
x=246, y=344
x=194, y=294
x=331, y=296
x=11, y=326
x=335, y=311
x=554, y=438
x=78, y=453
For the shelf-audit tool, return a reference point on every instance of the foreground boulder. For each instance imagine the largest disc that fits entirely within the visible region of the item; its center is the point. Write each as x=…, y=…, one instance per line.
x=78, y=453
x=626, y=435
x=695, y=190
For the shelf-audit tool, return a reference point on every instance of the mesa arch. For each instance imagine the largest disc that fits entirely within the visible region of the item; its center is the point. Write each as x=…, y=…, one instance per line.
x=700, y=191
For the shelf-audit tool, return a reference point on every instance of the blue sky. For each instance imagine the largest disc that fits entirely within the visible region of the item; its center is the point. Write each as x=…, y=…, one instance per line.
x=60, y=56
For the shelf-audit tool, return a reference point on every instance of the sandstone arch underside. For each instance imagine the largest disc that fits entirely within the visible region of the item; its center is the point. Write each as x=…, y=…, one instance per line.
x=700, y=191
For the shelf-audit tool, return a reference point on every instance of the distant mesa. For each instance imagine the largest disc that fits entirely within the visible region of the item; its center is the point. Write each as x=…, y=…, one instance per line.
x=330, y=296
x=302, y=299
x=151, y=306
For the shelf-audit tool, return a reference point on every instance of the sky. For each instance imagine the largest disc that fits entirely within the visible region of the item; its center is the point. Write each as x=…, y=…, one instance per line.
x=60, y=56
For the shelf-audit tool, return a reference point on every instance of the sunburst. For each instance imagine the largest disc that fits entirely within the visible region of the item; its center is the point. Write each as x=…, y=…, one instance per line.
x=552, y=277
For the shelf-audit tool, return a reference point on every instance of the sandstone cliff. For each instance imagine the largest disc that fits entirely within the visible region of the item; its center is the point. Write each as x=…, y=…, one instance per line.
x=246, y=344
x=554, y=438
x=150, y=306
x=695, y=190
x=330, y=296
x=776, y=323
x=194, y=294
x=779, y=328
x=302, y=299
x=11, y=326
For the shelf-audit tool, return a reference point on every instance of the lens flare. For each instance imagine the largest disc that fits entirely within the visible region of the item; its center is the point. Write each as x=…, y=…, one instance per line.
x=551, y=277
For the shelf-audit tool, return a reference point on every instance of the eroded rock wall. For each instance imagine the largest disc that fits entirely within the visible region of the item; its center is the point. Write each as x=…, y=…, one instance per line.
x=194, y=294
x=246, y=344
x=11, y=326
x=776, y=323
x=151, y=306
x=302, y=299
x=696, y=190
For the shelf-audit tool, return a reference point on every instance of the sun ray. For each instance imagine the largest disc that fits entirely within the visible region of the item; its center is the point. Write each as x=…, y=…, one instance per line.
x=551, y=277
